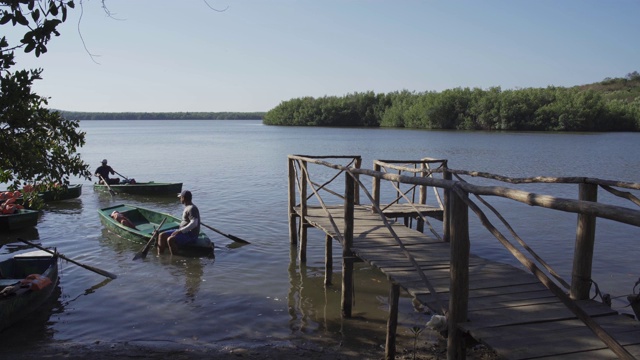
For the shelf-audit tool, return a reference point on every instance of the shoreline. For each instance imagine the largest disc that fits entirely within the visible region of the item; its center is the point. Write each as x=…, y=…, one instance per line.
x=313, y=349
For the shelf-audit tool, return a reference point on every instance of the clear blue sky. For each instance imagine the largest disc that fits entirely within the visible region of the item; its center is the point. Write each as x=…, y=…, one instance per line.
x=160, y=55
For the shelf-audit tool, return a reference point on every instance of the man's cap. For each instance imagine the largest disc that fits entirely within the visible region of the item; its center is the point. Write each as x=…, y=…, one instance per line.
x=104, y=161
x=185, y=193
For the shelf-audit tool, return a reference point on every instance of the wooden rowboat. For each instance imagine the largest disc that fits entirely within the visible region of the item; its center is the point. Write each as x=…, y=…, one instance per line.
x=57, y=194
x=64, y=193
x=24, y=218
x=146, y=221
x=17, y=299
x=143, y=188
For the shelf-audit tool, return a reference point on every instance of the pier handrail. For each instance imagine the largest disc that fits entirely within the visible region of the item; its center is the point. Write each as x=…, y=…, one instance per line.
x=425, y=171
x=606, y=211
x=303, y=180
x=611, y=212
x=586, y=207
x=611, y=342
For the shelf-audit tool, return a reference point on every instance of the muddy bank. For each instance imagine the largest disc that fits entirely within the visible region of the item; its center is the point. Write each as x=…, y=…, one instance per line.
x=308, y=350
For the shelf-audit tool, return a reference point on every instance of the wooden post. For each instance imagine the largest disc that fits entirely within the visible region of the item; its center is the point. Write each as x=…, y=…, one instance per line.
x=375, y=190
x=459, y=284
x=347, y=255
x=422, y=199
x=446, y=203
x=392, y=324
x=356, y=196
x=328, y=260
x=302, y=251
x=583, y=252
x=293, y=236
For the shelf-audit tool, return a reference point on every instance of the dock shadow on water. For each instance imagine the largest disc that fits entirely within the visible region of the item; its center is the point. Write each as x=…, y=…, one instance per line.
x=315, y=309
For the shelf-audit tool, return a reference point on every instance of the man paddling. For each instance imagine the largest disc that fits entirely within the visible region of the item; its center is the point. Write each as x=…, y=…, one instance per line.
x=189, y=228
x=103, y=171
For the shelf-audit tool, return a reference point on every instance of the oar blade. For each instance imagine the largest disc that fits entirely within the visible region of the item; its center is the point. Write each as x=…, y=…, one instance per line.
x=140, y=255
x=237, y=239
x=232, y=237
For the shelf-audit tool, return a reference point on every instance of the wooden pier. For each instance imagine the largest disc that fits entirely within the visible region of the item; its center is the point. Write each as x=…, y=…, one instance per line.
x=518, y=313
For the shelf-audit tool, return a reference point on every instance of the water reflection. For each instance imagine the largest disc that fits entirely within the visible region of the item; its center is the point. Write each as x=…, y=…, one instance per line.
x=35, y=327
x=148, y=201
x=315, y=309
x=12, y=236
x=65, y=207
x=189, y=269
x=120, y=244
x=89, y=291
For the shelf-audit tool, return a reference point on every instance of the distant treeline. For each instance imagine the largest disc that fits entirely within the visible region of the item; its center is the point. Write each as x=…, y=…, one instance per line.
x=604, y=106
x=74, y=115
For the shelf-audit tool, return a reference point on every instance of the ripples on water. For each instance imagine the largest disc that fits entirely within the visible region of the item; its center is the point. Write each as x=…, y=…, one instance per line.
x=254, y=294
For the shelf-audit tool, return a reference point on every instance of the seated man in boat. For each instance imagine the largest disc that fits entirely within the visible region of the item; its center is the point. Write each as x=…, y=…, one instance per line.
x=189, y=228
x=117, y=216
x=103, y=171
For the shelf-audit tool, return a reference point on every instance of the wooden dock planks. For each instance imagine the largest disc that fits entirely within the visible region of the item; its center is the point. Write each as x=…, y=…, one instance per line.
x=509, y=310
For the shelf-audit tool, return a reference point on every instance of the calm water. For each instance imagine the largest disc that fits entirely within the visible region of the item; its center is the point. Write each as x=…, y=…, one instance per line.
x=255, y=295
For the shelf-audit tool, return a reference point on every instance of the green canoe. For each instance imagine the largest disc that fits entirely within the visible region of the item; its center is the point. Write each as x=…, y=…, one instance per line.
x=24, y=218
x=146, y=221
x=17, y=301
x=143, y=188
x=64, y=193
x=72, y=191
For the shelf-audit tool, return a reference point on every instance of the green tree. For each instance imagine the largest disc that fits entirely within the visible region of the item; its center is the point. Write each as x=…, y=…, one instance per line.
x=38, y=146
x=398, y=104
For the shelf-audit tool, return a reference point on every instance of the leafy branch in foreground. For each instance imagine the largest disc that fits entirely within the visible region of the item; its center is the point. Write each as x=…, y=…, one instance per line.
x=40, y=17
x=39, y=146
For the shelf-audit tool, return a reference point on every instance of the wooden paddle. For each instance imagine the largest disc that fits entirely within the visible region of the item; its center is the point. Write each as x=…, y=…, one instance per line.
x=234, y=238
x=143, y=253
x=96, y=270
x=124, y=177
x=108, y=187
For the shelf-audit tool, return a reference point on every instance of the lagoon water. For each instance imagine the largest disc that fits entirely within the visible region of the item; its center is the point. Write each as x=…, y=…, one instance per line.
x=256, y=294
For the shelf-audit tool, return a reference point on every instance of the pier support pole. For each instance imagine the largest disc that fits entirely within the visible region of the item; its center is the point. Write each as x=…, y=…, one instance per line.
x=459, y=283
x=328, y=260
x=347, y=255
x=583, y=252
x=392, y=324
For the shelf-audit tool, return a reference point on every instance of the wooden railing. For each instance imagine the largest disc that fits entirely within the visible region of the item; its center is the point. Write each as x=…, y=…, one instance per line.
x=425, y=167
x=456, y=203
x=299, y=179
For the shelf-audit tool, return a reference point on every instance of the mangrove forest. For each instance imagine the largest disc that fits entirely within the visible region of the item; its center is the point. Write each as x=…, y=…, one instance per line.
x=610, y=105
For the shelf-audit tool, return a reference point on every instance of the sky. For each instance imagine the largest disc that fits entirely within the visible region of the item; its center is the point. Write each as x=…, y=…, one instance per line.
x=183, y=56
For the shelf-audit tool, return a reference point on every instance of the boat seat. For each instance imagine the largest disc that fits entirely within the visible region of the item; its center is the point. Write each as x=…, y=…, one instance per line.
x=149, y=228
x=126, y=209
